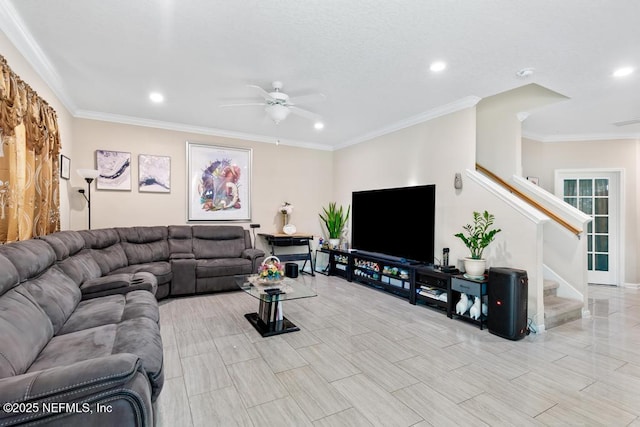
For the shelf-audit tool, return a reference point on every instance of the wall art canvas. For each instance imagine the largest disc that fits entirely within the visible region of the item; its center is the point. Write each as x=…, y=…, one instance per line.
x=115, y=170
x=154, y=173
x=219, y=183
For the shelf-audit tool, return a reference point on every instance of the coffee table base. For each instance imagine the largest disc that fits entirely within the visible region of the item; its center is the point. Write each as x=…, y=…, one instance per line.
x=274, y=328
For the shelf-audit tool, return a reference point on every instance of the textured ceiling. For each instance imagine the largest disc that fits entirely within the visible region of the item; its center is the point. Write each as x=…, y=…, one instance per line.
x=370, y=58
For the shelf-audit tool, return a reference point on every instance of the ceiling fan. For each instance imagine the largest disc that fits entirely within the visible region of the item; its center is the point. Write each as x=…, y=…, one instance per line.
x=628, y=122
x=279, y=105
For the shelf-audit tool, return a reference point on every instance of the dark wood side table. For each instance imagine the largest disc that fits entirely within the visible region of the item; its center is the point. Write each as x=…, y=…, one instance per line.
x=276, y=240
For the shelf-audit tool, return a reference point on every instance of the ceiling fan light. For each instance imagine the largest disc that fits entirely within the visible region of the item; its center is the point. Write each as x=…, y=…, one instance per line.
x=623, y=72
x=277, y=112
x=438, y=66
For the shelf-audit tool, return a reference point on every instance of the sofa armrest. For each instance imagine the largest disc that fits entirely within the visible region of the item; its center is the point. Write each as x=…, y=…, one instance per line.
x=256, y=256
x=105, y=283
x=120, y=283
x=252, y=254
x=74, y=394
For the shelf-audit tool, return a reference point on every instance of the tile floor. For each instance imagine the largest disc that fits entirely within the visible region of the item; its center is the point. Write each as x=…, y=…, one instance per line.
x=367, y=358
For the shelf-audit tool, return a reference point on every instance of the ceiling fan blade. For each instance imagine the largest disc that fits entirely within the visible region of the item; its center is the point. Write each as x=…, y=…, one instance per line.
x=266, y=95
x=305, y=113
x=627, y=122
x=243, y=104
x=307, y=99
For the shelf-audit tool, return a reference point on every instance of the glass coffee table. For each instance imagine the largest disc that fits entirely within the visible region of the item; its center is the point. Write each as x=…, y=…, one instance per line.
x=270, y=320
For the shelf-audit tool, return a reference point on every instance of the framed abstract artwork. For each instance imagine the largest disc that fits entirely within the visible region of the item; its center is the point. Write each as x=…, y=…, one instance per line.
x=115, y=170
x=154, y=174
x=219, y=183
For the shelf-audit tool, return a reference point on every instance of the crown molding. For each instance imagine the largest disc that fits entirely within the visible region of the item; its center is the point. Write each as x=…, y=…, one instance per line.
x=579, y=137
x=443, y=110
x=201, y=130
x=17, y=33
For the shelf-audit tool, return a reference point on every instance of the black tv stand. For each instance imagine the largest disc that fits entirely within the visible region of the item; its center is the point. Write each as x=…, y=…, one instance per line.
x=418, y=282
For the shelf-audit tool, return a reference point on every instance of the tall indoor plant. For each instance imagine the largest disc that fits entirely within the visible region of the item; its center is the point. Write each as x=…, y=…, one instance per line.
x=335, y=219
x=477, y=237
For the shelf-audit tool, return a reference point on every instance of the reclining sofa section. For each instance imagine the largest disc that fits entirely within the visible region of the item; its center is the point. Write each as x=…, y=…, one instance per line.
x=79, y=316
x=60, y=349
x=185, y=260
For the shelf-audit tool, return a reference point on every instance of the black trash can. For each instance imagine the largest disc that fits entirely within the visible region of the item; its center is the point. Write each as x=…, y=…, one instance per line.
x=291, y=270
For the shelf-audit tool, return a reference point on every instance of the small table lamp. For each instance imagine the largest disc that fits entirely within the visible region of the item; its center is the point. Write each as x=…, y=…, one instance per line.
x=89, y=175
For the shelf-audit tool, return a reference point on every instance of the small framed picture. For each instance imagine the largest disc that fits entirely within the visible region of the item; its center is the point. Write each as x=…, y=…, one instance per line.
x=65, y=167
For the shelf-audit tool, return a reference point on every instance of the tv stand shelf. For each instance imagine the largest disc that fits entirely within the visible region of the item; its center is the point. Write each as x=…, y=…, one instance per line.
x=433, y=288
x=417, y=283
x=391, y=276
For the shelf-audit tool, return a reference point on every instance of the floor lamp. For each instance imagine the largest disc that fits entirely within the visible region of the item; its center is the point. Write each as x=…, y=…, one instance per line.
x=89, y=175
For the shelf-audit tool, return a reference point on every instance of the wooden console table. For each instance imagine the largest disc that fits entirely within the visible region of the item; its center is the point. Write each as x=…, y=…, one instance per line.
x=299, y=239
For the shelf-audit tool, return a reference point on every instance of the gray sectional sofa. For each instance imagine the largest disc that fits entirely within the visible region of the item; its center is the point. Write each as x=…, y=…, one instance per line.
x=79, y=317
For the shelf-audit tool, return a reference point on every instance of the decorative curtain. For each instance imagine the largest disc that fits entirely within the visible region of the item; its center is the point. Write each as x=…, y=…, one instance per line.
x=29, y=161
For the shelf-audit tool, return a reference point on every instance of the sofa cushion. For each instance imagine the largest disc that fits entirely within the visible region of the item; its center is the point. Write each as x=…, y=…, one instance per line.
x=180, y=239
x=101, y=238
x=139, y=336
x=110, y=259
x=222, y=267
x=144, y=244
x=218, y=241
x=64, y=243
x=105, y=248
x=56, y=294
x=9, y=277
x=80, y=267
x=30, y=257
x=142, y=234
x=112, y=309
x=25, y=330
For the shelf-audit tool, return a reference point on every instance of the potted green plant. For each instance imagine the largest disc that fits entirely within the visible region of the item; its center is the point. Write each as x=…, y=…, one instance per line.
x=335, y=219
x=477, y=237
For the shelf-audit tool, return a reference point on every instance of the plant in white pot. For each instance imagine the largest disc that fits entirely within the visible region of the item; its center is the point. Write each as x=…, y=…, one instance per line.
x=477, y=237
x=335, y=220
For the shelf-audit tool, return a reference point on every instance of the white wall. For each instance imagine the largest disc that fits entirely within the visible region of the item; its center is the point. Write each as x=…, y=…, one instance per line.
x=302, y=177
x=25, y=71
x=431, y=153
x=499, y=129
x=499, y=133
x=542, y=159
x=427, y=153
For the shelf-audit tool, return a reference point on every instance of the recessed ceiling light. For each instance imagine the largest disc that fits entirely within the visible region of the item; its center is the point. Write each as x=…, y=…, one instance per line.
x=524, y=73
x=156, y=97
x=319, y=125
x=437, y=66
x=622, y=72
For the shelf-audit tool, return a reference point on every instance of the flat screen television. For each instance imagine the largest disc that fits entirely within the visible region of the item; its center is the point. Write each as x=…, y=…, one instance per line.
x=397, y=222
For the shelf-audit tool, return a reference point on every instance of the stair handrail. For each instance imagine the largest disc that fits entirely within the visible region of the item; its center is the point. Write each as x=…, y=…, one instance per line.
x=528, y=199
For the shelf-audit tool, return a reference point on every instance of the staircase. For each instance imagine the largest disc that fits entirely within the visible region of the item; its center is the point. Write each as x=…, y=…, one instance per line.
x=558, y=310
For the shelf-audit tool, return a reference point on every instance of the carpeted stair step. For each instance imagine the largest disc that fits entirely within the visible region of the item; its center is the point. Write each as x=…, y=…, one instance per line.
x=550, y=288
x=558, y=310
